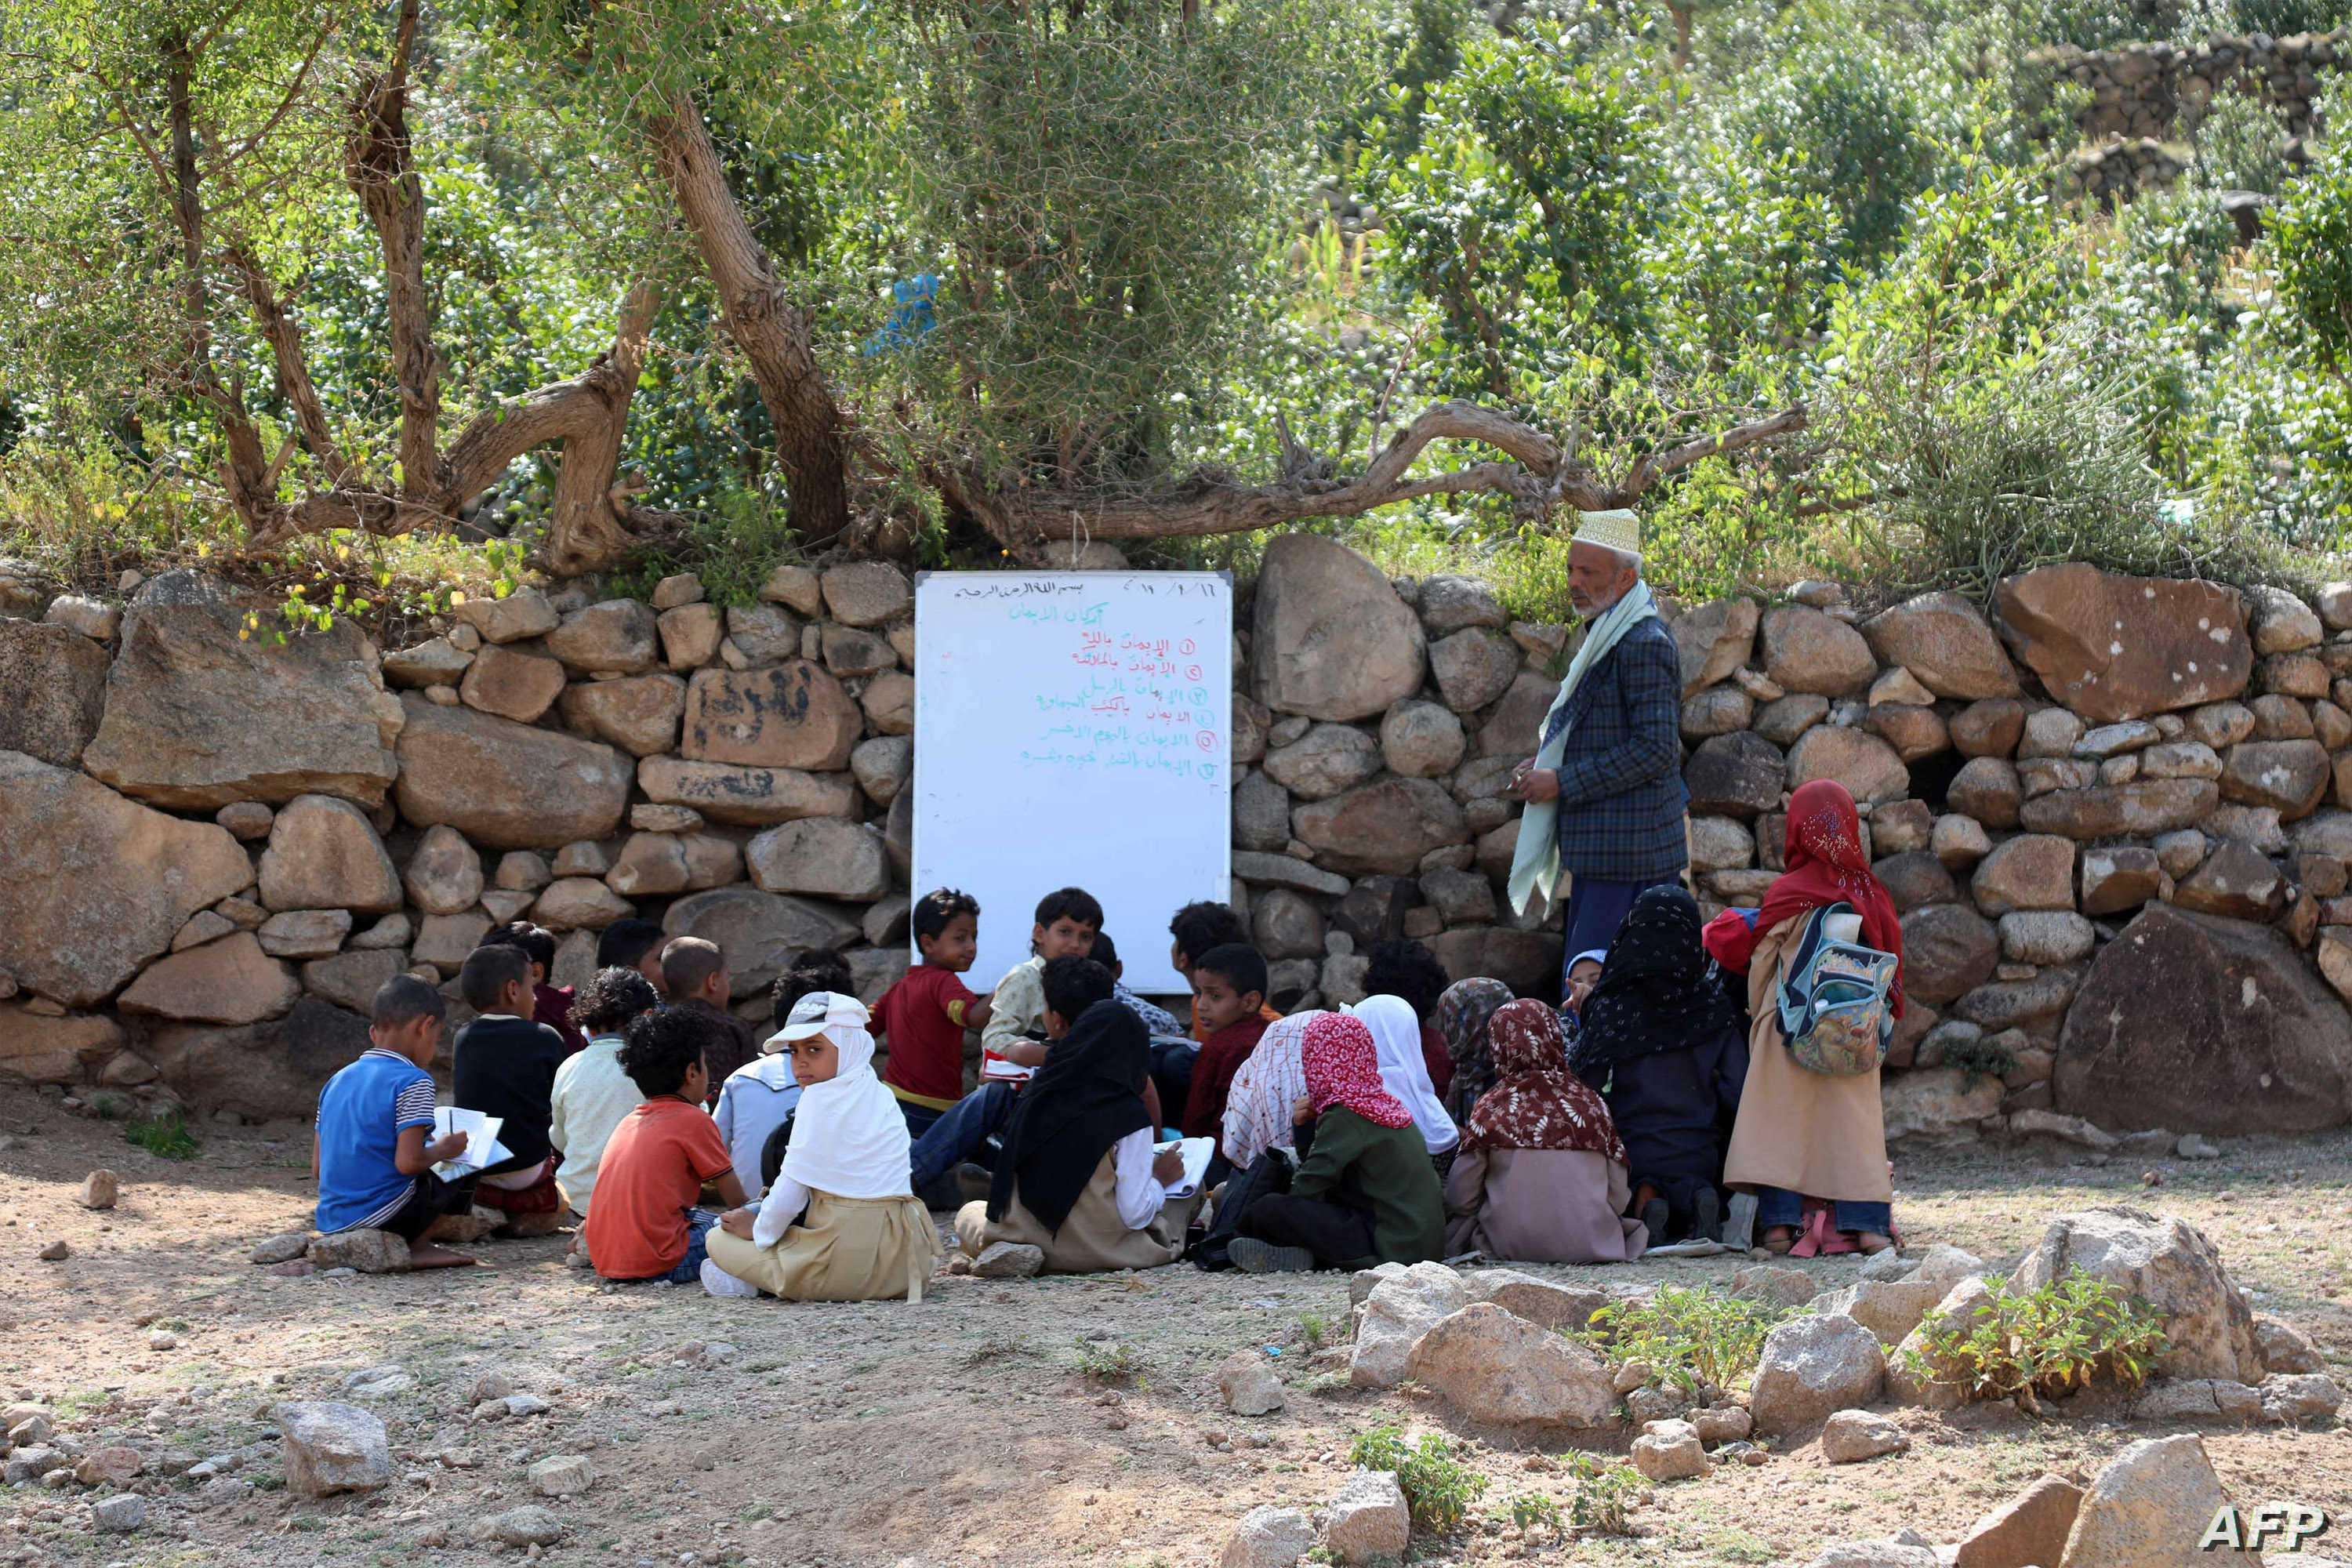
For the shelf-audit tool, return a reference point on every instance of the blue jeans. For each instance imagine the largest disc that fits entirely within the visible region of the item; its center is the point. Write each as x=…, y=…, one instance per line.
x=690, y=1268
x=1779, y=1206
x=1595, y=911
x=961, y=1131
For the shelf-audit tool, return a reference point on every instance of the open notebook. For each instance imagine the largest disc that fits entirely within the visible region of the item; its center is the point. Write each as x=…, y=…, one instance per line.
x=482, y=1146
x=1197, y=1154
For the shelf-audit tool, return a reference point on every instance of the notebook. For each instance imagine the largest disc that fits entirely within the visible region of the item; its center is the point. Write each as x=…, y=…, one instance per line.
x=1197, y=1154
x=482, y=1146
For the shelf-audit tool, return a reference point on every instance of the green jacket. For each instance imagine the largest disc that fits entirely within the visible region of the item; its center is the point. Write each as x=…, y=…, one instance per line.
x=1346, y=1159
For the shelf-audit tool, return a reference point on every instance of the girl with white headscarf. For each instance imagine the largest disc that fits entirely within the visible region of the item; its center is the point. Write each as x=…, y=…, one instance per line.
x=841, y=1222
x=1405, y=1072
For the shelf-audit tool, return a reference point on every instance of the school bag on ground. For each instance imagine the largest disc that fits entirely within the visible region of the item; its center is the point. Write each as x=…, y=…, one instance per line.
x=1837, y=1009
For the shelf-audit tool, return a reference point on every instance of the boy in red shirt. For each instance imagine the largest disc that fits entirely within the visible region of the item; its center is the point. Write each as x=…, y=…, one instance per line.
x=923, y=1017
x=1229, y=996
x=644, y=1224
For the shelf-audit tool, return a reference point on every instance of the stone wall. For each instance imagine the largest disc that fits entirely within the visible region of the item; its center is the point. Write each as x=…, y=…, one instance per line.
x=2163, y=91
x=2110, y=814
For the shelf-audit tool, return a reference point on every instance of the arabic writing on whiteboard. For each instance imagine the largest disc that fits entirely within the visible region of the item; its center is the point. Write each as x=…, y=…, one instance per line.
x=1131, y=702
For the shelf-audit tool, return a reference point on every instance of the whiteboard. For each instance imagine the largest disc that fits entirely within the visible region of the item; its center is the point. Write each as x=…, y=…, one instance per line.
x=1075, y=729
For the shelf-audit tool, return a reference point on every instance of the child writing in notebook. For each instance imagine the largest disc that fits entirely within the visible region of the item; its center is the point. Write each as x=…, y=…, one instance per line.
x=374, y=1151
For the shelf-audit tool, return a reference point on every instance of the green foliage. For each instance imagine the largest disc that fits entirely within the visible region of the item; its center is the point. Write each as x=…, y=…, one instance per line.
x=165, y=1135
x=2311, y=241
x=2044, y=1343
x=1106, y=1361
x=1847, y=134
x=1313, y=1330
x=1532, y=1511
x=2237, y=146
x=1604, y=1495
x=1689, y=1337
x=1439, y=1489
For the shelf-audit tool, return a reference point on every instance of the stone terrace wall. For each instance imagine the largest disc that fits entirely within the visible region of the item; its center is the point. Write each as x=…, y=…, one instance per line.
x=2166, y=89
x=2106, y=817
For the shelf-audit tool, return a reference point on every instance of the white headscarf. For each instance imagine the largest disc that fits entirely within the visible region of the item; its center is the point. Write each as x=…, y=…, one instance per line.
x=849, y=1138
x=1405, y=1072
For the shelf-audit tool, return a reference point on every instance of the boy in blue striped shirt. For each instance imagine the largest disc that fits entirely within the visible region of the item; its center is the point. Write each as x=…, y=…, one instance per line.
x=373, y=1152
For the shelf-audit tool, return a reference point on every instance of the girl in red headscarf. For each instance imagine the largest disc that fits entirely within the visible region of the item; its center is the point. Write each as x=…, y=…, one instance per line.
x=1365, y=1191
x=1812, y=1147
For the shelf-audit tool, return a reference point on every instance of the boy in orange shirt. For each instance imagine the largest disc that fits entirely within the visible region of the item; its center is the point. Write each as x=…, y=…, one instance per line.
x=644, y=1224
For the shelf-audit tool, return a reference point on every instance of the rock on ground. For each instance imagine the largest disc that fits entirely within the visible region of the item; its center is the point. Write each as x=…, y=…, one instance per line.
x=1941, y=1386
x=2284, y=1347
x=123, y=1511
x=1545, y=1302
x=1267, y=1537
x=1397, y=1312
x=1811, y=1366
x=530, y=1525
x=1008, y=1260
x=332, y=1447
x=1892, y=1553
x=2026, y=1532
x=2149, y=1508
x=1494, y=1366
x=369, y=1251
x=100, y=1190
x=1849, y=1436
x=2197, y=1399
x=2167, y=1263
x=1889, y=1309
x=1670, y=1451
x=1248, y=1384
x=562, y=1475
x=2294, y=1397
x=1368, y=1521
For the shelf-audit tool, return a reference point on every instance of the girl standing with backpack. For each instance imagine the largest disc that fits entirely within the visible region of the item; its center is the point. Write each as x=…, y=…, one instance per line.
x=1810, y=1144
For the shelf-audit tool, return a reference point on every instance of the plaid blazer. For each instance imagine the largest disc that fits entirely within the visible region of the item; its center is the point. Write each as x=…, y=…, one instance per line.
x=1620, y=785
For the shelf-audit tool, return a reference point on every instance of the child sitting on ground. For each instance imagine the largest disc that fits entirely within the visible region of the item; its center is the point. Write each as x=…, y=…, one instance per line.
x=1156, y=1018
x=695, y=977
x=1193, y=930
x=1079, y=1178
x=644, y=1224
x=505, y=1066
x=592, y=1093
x=1406, y=969
x=923, y=1017
x=841, y=1223
x=549, y=1005
x=372, y=1154
x=755, y=1104
x=632, y=944
x=1229, y=995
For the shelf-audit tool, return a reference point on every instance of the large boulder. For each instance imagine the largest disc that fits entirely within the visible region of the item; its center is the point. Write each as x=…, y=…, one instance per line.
x=230, y=980
x=1713, y=640
x=2150, y=1507
x=265, y=1071
x=1806, y=650
x=1473, y=668
x=2142, y=808
x=1495, y=1366
x=1327, y=760
x=1398, y=1311
x=96, y=885
x=507, y=785
x=1741, y=774
x=829, y=856
x=749, y=796
x=1381, y=827
x=2111, y=648
x=2292, y=776
x=2030, y=1528
x=2205, y=1025
x=1812, y=1365
x=37, y=1047
x=760, y=932
x=323, y=854
x=2031, y=871
x=1512, y=725
x=789, y=715
x=1526, y=960
x=2167, y=1263
x=1866, y=765
x=1937, y=1105
x=1418, y=739
x=1943, y=641
x=1331, y=639
x=56, y=681
x=198, y=715
x=618, y=637
x=639, y=713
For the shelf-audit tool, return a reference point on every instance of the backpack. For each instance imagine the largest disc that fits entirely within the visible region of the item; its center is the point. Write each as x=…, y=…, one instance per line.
x=1837, y=1013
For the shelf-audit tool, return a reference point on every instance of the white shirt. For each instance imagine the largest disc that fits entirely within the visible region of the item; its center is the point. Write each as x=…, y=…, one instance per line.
x=752, y=1103
x=1140, y=1197
x=590, y=1097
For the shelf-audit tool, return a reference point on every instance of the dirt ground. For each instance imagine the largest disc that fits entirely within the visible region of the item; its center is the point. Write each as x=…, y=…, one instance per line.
x=972, y=1429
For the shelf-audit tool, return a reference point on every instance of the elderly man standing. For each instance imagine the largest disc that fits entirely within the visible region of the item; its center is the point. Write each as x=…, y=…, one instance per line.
x=1604, y=790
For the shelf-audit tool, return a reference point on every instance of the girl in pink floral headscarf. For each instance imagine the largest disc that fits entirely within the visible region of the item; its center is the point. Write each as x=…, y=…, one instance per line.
x=1365, y=1191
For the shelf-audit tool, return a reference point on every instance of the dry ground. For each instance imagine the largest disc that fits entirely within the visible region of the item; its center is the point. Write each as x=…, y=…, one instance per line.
x=967, y=1429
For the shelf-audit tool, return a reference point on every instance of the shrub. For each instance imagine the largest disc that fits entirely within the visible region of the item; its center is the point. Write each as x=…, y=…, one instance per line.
x=1106, y=1361
x=2044, y=1343
x=1438, y=1487
x=1604, y=1495
x=165, y=1135
x=1535, y=1510
x=2311, y=238
x=1689, y=1337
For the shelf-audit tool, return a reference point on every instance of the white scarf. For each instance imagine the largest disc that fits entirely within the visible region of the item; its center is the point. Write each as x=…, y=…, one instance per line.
x=1404, y=1071
x=1535, y=864
x=849, y=1138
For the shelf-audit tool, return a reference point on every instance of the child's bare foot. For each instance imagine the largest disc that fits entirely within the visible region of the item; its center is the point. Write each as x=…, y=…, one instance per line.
x=1871, y=1242
x=424, y=1254
x=1778, y=1238
x=524, y=1226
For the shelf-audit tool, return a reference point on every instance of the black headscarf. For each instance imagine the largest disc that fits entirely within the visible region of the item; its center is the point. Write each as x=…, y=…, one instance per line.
x=1655, y=991
x=1087, y=1097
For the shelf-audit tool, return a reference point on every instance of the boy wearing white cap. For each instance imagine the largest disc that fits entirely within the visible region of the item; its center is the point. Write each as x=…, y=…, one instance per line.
x=842, y=1222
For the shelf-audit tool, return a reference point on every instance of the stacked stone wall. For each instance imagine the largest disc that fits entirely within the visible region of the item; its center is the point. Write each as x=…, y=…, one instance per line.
x=2113, y=814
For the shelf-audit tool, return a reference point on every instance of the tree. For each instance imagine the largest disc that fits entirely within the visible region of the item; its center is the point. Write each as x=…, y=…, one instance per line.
x=186, y=158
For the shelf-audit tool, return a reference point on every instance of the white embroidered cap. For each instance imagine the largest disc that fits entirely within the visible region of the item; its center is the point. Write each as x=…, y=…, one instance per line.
x=821, y=1010
x=1618, y=530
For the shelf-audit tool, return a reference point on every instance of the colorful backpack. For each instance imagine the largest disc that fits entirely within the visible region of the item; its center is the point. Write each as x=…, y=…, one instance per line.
x=1837, y=1012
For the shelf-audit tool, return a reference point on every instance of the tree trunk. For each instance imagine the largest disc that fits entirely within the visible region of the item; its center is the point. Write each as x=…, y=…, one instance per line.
x=381, y=170
x=773, y=333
